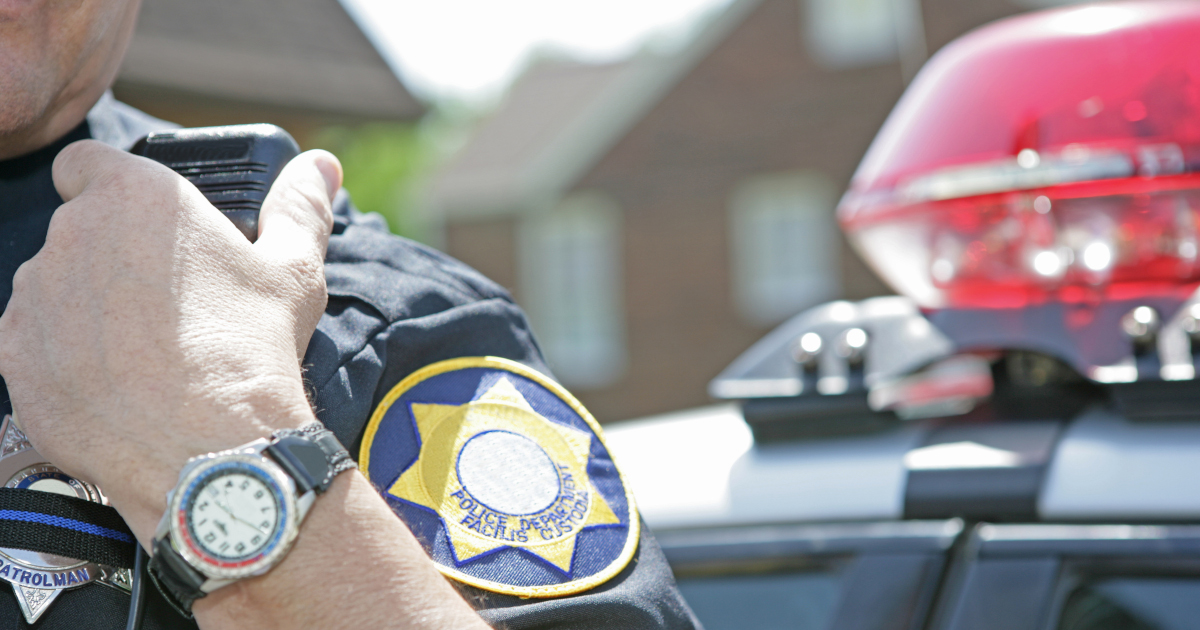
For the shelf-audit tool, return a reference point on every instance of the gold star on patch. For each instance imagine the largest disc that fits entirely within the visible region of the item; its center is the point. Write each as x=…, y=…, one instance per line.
x=501, y=475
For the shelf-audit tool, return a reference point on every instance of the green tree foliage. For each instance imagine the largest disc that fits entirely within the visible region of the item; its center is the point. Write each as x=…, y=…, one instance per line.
x=384, y=164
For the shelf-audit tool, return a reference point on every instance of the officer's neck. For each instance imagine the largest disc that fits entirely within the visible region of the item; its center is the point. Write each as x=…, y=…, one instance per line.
x=63, y=117
x=40, y=157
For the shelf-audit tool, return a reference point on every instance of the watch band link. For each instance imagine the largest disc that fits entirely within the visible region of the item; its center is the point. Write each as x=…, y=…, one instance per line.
x=311, y=454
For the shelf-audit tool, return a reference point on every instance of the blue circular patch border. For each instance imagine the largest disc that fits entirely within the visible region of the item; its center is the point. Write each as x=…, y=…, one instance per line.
x=391, y=445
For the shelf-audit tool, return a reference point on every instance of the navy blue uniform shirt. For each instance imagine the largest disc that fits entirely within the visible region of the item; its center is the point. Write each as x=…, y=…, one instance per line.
x=394, y=306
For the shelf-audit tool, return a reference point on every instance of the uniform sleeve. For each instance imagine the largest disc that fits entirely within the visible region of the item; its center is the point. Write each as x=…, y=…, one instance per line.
x=396, y=306
x=643, y=595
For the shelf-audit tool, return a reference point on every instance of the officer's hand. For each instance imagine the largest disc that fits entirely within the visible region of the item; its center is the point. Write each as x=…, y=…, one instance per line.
x=148, y=329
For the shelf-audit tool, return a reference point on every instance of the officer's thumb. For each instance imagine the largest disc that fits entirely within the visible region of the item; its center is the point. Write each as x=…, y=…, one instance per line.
x=85, y=163
x=297, y=215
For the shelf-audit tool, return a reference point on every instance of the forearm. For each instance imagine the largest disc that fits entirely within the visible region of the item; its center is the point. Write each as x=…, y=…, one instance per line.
x=354, y=565
x=159, y=333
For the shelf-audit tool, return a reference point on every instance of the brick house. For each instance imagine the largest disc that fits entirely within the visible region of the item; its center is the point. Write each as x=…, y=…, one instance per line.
x=657, y=216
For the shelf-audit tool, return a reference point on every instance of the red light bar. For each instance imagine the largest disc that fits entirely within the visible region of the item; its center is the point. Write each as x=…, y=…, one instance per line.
x=1049, y=157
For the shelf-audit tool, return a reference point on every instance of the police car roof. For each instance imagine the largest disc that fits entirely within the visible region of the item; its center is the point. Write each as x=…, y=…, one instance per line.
x=701, y=468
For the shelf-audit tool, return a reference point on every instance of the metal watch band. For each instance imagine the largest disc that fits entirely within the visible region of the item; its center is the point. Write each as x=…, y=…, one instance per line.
x=311, y=455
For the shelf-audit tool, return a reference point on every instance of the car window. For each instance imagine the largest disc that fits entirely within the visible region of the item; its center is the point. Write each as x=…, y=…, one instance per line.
x=1132, y=603
x=794, y=600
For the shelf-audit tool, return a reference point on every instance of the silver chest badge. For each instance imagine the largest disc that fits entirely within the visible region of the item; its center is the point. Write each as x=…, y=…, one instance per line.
x=38, y=578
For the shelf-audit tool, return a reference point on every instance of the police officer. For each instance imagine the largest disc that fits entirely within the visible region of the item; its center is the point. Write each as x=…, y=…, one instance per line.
x=144, y=337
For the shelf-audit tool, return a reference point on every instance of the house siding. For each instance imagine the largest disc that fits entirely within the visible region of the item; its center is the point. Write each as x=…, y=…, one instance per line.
x=757, y=104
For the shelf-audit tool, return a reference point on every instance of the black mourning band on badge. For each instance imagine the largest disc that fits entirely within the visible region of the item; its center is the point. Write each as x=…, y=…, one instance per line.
x=65, y=526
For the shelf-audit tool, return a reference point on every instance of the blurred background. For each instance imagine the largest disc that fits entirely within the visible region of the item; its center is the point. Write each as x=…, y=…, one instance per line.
x=654, y=180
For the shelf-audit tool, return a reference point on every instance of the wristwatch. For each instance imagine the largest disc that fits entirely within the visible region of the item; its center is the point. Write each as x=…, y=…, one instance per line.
x=234, y=514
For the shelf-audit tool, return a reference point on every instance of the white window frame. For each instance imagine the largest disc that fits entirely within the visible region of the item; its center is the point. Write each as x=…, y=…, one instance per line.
x=852, y=33
x=785, y=250
x=571, y=288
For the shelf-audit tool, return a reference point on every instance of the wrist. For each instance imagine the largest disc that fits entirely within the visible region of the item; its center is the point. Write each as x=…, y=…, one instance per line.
x=260, y=602
x=352, y=548
x=235, y=514
x=140, y=476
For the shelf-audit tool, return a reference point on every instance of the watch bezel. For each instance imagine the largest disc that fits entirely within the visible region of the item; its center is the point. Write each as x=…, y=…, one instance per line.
x=202, y=561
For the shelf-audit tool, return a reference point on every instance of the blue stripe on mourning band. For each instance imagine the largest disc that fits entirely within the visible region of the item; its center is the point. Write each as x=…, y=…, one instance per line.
x=66, y=523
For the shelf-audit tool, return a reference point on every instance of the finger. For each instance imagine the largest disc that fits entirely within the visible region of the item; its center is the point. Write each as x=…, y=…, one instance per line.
x=297, y=216
x=87, y=162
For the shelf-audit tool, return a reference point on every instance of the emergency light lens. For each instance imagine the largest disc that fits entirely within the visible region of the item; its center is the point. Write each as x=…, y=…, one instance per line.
x=1047, y=264
x=1097, y=256
x=810, y=343
x=1053, y=156
x=999, y=251
x=856, y=338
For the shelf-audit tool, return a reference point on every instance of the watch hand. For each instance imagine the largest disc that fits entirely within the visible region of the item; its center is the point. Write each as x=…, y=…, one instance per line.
x=231, y=515
x=223, y=507
x=236, y=517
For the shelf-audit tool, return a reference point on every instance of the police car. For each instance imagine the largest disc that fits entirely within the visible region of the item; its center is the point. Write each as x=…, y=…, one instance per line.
x=1053, y=503
x=1013, y=443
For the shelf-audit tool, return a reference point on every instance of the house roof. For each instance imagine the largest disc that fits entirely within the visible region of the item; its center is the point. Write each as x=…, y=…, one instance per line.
x=301, y=54
x=517, y=154
x=559, y=119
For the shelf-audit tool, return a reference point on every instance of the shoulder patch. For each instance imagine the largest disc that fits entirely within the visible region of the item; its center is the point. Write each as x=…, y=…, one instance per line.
x=503, y=476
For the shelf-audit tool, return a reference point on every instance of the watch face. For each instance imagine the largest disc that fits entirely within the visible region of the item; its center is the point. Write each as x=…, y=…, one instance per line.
x=233, y=517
